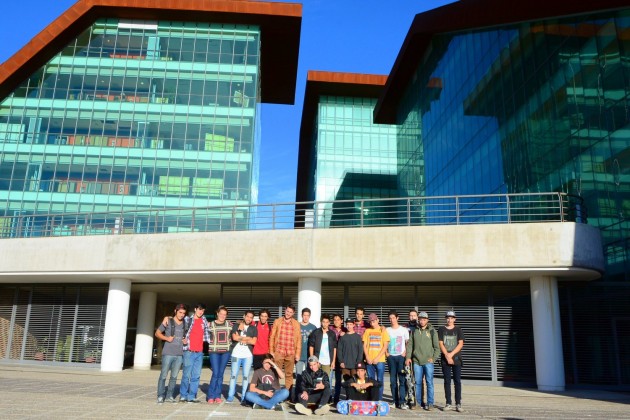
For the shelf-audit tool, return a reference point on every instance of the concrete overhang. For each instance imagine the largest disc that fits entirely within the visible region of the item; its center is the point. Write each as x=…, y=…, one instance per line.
x=469, y=253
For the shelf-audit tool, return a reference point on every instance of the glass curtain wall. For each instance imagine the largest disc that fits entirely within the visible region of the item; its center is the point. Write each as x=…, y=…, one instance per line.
x=133, y=115
x=355, y=159
x=535, y=107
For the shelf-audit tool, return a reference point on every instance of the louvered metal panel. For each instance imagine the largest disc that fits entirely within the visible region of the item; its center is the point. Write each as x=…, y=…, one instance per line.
x=514, y=335
x=7, y=299
x=50, y=323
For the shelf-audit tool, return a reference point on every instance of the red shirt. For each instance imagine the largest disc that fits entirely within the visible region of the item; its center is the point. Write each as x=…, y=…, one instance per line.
x=262, y=343
x=195, y=339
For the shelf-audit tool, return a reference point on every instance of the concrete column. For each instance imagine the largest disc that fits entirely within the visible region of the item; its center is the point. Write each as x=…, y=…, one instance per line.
x=116, y=325
x=547, y=333
x=143, y=351
x=310, y=296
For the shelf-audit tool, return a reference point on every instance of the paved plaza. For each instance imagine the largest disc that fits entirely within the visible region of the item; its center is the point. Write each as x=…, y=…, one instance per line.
x=30, y=391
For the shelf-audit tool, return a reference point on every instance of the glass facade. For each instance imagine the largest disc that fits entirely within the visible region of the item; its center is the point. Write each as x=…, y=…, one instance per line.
x=354, y=158
x=539, y=106
x=132, y=115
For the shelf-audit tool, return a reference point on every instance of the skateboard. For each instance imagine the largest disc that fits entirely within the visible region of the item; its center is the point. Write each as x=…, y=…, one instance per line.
x=410, y=383
x=363, y=408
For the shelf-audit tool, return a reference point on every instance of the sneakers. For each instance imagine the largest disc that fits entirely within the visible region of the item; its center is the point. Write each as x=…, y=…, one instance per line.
x=447, y=407
x=160, y=400
x=218, y=401
x=412, y=407
x=459, y=408
x=302, y=409
x=256, y=407
x=277, y=407
x=404, y=407
x=210, y=401
x=171, y=400
x=429, y=407
x=320, y=411
x=229, y=400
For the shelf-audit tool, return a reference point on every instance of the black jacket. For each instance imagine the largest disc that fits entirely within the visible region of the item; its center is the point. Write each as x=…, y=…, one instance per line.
x=310, y=379
x=315, y=341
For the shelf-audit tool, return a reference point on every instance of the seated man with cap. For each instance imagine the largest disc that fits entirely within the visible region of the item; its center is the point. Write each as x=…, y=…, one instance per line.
x=315, y=386
x=360, y=388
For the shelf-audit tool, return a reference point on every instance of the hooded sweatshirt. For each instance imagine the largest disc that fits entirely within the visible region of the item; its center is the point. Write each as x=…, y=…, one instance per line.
x=423, y=345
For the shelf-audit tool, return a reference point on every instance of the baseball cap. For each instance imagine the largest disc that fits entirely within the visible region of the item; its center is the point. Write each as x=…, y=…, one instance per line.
x=450, y=313
x=373, y=317
x=360, y=365
x=423, y=315
x=313, y=359
x=349, y=320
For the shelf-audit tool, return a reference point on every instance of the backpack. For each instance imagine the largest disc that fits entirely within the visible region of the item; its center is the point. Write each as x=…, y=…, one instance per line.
x=172, y=325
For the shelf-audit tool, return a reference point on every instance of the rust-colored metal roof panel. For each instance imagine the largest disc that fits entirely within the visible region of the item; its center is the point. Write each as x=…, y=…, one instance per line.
x=467, y=15
x=320, y=83
x=280, y=25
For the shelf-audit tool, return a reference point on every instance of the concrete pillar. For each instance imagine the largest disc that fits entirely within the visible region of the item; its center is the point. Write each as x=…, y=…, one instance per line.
x=116, y=325
x=143, y=351
x=310, y=296
x=547, y=333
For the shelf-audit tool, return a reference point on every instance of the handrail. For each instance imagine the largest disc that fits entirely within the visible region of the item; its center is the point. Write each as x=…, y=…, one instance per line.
x=403, y=211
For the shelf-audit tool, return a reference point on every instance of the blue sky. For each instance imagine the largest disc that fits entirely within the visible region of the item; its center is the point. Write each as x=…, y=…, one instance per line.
x=360, y=36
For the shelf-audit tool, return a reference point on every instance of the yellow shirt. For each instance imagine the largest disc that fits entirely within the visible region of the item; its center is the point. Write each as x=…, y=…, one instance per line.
x=377, y=338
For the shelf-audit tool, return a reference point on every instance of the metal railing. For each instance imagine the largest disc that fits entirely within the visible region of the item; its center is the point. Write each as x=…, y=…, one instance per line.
x=415, y=211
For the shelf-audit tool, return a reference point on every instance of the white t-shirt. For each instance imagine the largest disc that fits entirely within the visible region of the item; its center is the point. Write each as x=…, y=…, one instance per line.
x=397, y=340
x=324, y=353
x=241, y=350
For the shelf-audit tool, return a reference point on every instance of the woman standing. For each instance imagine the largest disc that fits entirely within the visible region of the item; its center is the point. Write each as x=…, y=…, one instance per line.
x=219, y=351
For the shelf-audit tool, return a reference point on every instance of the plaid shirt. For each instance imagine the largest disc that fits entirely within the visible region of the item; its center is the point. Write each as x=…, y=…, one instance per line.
x=204, y=325
x=360, y=327
x=286, y=344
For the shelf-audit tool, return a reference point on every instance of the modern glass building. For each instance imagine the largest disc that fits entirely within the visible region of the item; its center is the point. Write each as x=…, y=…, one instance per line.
x=343, y=154
x=135, y=107
x=134, y=114
x=528, y=98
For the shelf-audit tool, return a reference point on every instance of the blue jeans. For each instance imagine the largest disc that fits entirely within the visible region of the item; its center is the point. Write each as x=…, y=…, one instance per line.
x=218, y=362
x=172, y=364
x=457, y=378
x=191, y=374
x=397, y=379
x=246, y=363
x=425, y=371
x=279, y=395
x=377, y=372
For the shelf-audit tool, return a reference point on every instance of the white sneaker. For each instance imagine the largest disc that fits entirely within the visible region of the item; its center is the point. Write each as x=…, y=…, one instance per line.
x=447, y=407
x=459, y=408
x=320, y=411
x=300, y=408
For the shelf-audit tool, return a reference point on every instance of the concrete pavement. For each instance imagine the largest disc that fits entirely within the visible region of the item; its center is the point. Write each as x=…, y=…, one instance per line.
x=31, y=391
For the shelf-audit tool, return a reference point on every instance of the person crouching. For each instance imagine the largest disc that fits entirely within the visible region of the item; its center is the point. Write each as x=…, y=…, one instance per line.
x=315, y=387
x=360, y=388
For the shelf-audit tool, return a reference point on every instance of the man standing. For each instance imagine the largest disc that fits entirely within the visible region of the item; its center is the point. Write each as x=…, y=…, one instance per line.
x=264, y=389
x=193, y=354
x=423, y=349
x=451, y=342
x=172, y=353
x=306, y=328
x=339, y=331
x=360, y=325
x=322, y=344
x=398, y=336
x=349, y=351
x=285, y=344
x=244, y=337
x=261, y=348
x=375, y=342
x=315, y=389
x=413, y=321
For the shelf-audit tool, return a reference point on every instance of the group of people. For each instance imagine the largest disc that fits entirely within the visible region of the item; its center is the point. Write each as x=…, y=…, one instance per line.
x=349, y=355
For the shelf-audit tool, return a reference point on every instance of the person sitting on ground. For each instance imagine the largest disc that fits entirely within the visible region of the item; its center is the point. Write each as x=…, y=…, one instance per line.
x=360, y=388
x=264, y=388
x=315, y=386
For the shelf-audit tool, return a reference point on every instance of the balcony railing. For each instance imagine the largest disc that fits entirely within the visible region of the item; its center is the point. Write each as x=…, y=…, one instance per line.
x=416, y=211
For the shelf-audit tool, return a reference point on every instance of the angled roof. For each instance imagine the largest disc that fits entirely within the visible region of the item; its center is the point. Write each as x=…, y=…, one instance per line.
x=280, y=25
x=466, y=15
x=320, y=83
